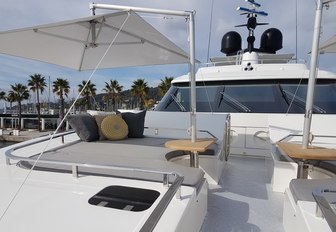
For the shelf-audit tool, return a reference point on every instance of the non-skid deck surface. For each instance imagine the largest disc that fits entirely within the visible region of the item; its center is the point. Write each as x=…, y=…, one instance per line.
x=243, y=201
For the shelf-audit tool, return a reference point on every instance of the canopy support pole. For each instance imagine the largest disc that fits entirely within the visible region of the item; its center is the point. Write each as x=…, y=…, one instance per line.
x=192, y=77
x=312, y=72
x=189, y=15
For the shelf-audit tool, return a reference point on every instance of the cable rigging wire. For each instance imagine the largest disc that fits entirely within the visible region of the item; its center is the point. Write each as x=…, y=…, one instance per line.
x=210, y=27
x=208, y=56
x=62, y=121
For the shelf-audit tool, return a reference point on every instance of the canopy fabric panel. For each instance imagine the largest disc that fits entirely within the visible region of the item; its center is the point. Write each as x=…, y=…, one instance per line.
x=329, y=46
x=80, y=44
x=328, y=1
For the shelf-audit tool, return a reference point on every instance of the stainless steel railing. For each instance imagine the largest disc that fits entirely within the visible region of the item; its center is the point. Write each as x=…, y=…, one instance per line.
x=312, y=136
x=328, y=208
x=75, y=165
x=158, y=129
x=155, y=216
x=151, y=222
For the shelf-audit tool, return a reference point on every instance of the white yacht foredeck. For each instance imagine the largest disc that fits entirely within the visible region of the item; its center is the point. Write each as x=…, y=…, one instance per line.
x=244, y=193
x=208, y=163
x=244, y=200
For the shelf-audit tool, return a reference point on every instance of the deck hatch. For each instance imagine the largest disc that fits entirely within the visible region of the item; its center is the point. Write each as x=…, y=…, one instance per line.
x=125, y=198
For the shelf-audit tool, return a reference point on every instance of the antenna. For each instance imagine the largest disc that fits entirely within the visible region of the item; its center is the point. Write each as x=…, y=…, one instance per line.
x=252, y=13
x=253, y=9
x=253, y=3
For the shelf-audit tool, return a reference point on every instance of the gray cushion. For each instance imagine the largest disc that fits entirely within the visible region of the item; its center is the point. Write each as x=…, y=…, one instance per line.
x=302, y=189
x=149, y=156
x=135, y=123
x=329, y=165
x=85, y=126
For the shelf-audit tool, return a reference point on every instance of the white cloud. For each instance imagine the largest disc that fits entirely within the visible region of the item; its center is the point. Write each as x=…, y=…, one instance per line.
x=282, y=14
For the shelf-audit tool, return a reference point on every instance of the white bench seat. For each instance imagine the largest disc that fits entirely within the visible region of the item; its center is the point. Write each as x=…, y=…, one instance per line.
x=301, y=189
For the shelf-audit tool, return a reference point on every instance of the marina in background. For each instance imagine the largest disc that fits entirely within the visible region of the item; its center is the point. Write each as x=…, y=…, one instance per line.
x=232, y=173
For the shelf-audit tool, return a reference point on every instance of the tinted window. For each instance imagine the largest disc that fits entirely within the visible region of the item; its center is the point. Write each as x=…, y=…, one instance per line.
x=324, y=97
x=255, y=98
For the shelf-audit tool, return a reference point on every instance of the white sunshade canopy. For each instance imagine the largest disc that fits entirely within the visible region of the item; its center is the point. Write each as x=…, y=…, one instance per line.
x=80, y=44
x=328, y=1
x=329, y=46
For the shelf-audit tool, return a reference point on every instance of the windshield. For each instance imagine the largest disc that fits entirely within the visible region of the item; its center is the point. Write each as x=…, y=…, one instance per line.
x=251, y=98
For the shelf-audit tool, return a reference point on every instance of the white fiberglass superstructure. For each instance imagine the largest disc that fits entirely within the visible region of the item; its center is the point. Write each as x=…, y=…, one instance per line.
x=252, y=84
x=178, y=175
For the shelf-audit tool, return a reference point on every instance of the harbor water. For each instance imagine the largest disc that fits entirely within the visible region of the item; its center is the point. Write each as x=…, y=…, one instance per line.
x=6, y=143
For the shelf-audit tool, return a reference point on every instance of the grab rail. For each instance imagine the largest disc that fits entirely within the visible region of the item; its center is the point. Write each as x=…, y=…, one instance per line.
x=156, y=130
x=155, y=216
x=311, y=139
x=323, y=204
x=226, y=139
x=8, y=153
x=153, y=219
x=75, y=165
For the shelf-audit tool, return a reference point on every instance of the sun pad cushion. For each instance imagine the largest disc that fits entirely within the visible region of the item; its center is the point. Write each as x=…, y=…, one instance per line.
x=85, y=126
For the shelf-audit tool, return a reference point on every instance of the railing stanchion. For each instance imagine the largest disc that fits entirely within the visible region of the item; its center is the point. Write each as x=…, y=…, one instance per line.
x=75, y=171
x=165, y=180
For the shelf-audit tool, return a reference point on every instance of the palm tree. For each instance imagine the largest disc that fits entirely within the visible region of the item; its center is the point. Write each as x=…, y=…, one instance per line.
x=10, y=99
x=149, y=103
x=165, y=85
x=19, y=93
x=80, y=104
x=113, y=90
x=2, y=95
x=89, y=90
x=37, y=84
x=61, y=87
x=140, y=89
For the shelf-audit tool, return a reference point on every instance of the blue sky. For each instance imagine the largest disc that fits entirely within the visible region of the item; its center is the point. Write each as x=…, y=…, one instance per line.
x=282, y=15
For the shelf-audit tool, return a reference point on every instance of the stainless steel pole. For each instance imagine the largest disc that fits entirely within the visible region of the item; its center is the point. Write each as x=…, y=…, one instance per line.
x=192, y=77
x=312, y=74
x=190, y=15
x=139, y=9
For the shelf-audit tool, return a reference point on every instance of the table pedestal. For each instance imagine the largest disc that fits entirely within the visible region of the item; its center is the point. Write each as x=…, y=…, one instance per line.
x=295, y=150
x=302, y=172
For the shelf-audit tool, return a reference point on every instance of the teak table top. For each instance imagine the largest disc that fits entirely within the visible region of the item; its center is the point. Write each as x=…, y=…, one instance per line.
x=200, y=145
x=295, y=150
